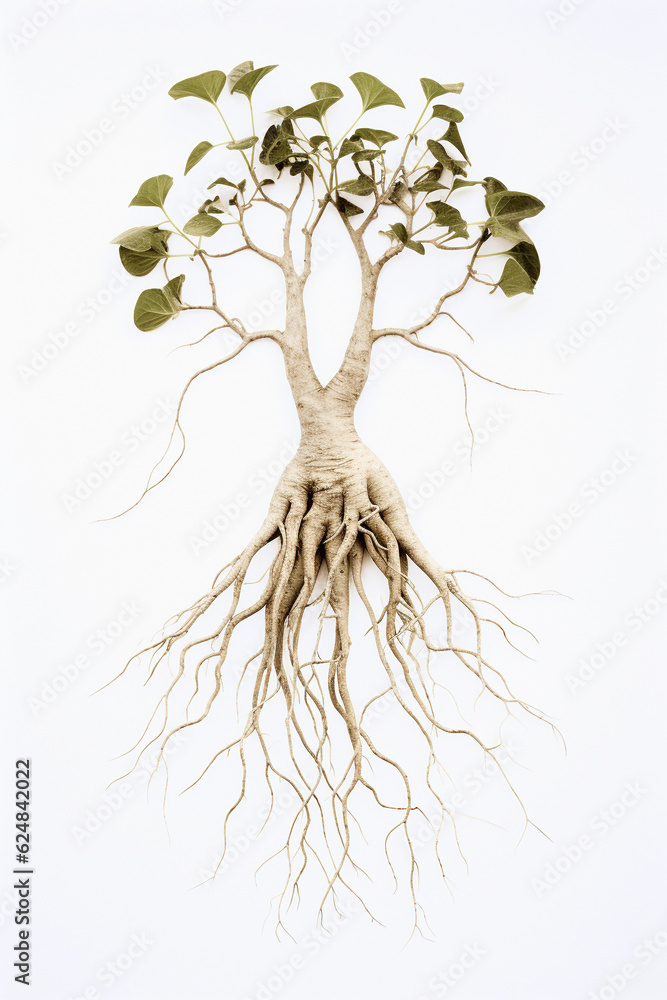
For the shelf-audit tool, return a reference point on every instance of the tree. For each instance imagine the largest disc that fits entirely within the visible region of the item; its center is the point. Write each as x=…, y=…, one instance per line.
x=335, y=508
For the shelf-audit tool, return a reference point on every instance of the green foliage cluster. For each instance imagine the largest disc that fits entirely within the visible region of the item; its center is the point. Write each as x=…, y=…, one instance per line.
x=358, y=174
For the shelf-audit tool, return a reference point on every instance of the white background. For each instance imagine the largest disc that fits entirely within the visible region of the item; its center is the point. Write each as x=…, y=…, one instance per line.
x=541, y=90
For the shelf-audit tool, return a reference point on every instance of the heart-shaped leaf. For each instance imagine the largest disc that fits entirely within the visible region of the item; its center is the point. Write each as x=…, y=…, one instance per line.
x=156, y=305
x=375, y=135
x=400, y=233
x=513, y=206
x=447, y=215
x=374, y=93
x=153, y=191
x=139, y=264
x=222, y=180
x=247, y=83
x=350, y=146
x=526, y=255
x=491, y=185
x=275, y=145
x=366, y=154
x=514, y=280
x=446, y=113
x=347, y=208
x=433, y=89
x=202, y=225
x=142, y=238
x=438, y=151
x=430, y=181
x=206, y=86
x=313, y=110
x=326, y=90
x=360, y=185
x=239, y=71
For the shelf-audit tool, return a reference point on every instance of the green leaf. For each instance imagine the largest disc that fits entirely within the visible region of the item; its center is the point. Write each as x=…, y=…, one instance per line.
x=201, y=225
x=302, y=167
x=446, y=113
x=347, y=208
x=139, y=264
x=374, y=94
x=275, y=146
x=360, y=185
x=197, y=154
x=239, y=71
x=438, y=151
x=447, y=215
x=222, y=180
x=242, y=143
x=247, y=83
x=526, y=255
x=366, y=154
x=430, y=181
x=350, y=146
x=317, y=140
x=433, y=89
x=505, y=229
x=313, y=110
x=174, y=286
x=459, y=183
x=283, y=111
x=513, y=206
x=326, y=90
x=207, y=86
x=491, y=185
x=515, y=280
x=375, y=135
x=153, y=191
x=401, y=234
x=142, y=238
x=212, y=205
x=452, y=135
x=156, y=305
x=399, y=231
x=398, y=193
